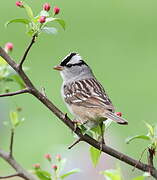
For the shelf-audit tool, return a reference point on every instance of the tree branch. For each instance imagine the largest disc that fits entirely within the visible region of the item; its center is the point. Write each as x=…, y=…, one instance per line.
x=70, y=124
x=26, y=51
x=10, y=176
x=8, y=157
x=19, y=169
x=151, y=155
x=22, y=91
x=11, y=143
x=74, y=143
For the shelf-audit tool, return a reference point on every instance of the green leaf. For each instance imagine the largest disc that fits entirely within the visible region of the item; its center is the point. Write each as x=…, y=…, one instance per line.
x=107, y=123
x=155, y=131
x=139, y=178
x=96, y=130
x=2, y=61
x=18, y=80
x=150, y=129
x=58, y=20
x=73, y=171
x=30, y=32
x=43, y=175
x=144, y=137
x=49, y=30
x=28, y=10
x=23, y=21
x=112, y=174
x=14, y=119
x=146, y=174
x=95, y=155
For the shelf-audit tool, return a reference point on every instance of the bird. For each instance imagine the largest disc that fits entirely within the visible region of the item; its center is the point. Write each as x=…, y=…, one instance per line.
x=83, y=94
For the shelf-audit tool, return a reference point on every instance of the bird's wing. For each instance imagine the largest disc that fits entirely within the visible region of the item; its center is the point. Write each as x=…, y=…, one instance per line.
x=87, y=93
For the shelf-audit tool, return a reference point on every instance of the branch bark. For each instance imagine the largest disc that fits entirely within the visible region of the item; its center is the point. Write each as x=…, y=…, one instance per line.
x=10, y=176
x=43, y=99
x=15, y=165
x=26, y=51
x=22, y=91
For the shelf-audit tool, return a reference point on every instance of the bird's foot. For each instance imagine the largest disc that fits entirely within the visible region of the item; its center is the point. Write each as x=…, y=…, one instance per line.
x=102, y=142
x=75, y=122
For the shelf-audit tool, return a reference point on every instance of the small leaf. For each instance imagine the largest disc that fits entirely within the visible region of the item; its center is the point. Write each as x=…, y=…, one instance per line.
x=139, y=178
x=146, y=174
x=2, y=61
x=23, y=21
x=112, y=174
x=155, y=131
x=28, y=10
x=144, y=137
x=49, y=30
x=58, y=20
x=107, y=123
x=43, y=175
x=96, y=130
x=14, y=119
x=151, y=129
x=95, y=155
x=30, y=32
x=73, y=171
x=18, y=80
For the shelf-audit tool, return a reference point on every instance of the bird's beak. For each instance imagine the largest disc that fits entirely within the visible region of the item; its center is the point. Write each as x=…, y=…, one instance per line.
x=58, y=68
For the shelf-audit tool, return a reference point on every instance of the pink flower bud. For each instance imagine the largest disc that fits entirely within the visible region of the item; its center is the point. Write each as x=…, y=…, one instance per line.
x=54, y=167
x=19, y=3
x=56, y=10
x=58, y=157
x=46, y=6
x=48, y=157
x=36, y=166
x=42, y=19
x=119, y=114
x=9, y=46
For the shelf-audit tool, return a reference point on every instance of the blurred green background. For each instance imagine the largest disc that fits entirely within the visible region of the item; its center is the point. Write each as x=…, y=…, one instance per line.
x=118, y=39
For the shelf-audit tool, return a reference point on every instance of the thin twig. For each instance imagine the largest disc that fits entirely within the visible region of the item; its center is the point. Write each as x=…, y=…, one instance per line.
x=9, y=176
x=74, y=143
x=140, y=158
x=26, y=51
x=22, y=91
x=15, y=165
x=11, y=143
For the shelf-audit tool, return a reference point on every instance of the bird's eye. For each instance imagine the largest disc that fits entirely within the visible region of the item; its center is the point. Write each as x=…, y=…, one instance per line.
x=68, y=65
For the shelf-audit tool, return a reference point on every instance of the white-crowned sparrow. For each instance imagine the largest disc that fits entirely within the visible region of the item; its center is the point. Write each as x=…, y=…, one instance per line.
x=83, y=94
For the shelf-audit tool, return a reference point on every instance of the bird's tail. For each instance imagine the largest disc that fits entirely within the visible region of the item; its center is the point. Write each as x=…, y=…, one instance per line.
x=116, y=118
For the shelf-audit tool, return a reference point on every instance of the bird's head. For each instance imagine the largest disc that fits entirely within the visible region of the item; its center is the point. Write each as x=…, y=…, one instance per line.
x=73, y=67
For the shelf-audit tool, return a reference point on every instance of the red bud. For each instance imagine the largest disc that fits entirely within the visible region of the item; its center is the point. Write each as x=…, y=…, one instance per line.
x=42, y=19
x=48, y=157
x=56, y=10
x=58, y=157
x=36, y=166
x=19, y=3
x=54, y=167
x=9, y=46
x=46, y=6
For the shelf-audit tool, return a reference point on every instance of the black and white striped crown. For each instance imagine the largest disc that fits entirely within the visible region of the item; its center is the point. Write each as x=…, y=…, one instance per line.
x=72, y=59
